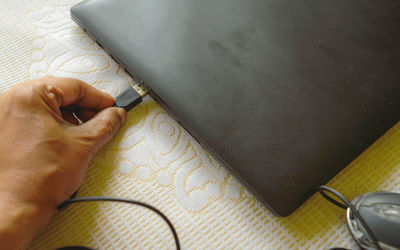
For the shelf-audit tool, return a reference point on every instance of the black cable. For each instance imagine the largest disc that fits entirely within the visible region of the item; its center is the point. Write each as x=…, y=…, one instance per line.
x=112, y=199
x=348, y=204
x=341, y=205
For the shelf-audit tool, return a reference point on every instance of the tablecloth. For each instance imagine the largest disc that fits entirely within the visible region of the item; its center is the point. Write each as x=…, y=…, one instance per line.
x=153, y=159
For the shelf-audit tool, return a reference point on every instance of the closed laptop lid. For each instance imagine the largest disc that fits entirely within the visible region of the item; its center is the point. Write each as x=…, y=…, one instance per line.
x=284, y=93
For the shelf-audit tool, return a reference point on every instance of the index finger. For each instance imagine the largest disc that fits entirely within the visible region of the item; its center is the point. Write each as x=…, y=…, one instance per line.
x=75, y=91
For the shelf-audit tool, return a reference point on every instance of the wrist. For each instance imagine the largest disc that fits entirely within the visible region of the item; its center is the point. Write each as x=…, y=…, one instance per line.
x=20, y=221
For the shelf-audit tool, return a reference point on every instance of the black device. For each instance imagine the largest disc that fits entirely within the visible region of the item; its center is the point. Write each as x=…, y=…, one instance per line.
x=284, y=93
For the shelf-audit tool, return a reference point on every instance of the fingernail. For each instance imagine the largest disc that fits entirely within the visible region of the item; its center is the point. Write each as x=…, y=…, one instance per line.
x=122, y=114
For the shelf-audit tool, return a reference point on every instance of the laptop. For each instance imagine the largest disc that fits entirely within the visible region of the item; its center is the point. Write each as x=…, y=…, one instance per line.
x=283, y=93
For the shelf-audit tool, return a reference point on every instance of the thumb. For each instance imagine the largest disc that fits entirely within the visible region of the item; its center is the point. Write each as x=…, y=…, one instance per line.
x=103, y=126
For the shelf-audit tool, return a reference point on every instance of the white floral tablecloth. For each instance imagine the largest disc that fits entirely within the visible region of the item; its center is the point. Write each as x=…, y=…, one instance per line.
x=153, y=159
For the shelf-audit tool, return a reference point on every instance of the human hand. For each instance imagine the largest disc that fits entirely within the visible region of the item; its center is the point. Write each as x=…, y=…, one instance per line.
x=44, y=152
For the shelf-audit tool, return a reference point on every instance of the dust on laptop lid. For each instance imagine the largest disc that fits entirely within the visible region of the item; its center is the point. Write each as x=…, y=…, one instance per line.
x=284, y=93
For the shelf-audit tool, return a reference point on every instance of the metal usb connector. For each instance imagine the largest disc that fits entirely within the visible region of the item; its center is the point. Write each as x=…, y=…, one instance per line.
x=131, y=96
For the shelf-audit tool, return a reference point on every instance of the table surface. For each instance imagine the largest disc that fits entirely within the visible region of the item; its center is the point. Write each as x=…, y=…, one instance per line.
x=153, y=159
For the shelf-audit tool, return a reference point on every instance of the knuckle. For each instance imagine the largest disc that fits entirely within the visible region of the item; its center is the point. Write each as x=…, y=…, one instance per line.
x=84, y=142
x=107, y=128
x=80, y=90
x=101, y=131
x=39, y=86
x=44, y=82
x=86, y=145
x=94, y=134
x=22, y=94
x=48, y=78
x=47, y=89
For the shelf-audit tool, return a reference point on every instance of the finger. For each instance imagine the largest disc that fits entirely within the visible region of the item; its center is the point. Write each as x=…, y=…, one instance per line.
x=101, y=128
x=85, y=114
x=74, y=91
x=69, y=117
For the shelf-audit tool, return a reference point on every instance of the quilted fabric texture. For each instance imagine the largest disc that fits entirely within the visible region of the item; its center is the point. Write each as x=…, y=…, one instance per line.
x=153, y=159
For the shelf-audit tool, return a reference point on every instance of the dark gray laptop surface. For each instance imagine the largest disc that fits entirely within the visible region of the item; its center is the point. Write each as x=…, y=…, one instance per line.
x=284, y=93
